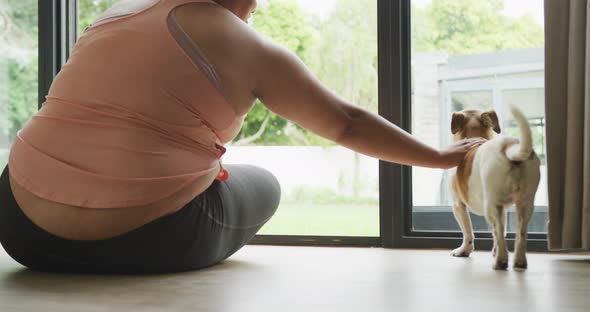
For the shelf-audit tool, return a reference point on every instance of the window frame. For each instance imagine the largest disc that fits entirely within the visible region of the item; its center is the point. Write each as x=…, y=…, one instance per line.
x=58, y=20
x=58, y=33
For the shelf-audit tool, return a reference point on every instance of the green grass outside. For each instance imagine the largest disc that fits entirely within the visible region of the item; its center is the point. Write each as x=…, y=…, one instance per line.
x=324, y=219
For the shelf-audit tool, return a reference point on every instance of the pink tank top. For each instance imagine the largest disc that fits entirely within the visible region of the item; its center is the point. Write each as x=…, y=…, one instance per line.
x=136, y=115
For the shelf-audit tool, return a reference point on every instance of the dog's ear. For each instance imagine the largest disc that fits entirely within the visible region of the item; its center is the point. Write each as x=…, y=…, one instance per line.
x=490, y=119
x=457, y=122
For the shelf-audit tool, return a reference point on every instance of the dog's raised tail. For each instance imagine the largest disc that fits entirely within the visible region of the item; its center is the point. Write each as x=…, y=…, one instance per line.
x=523, y=150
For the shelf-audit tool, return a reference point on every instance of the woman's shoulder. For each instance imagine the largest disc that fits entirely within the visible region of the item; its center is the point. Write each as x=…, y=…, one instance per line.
x=203, y=20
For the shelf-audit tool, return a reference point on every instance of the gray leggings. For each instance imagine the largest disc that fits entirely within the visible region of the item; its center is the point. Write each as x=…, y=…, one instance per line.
x=206, y=231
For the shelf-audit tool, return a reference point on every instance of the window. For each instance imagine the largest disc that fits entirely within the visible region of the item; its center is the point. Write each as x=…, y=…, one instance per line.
x=18, y=69
x=459, y=61
x=471, y=100
x=327, y=189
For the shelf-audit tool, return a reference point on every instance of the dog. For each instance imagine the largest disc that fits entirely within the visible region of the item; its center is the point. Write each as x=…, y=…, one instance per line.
x=493, y=176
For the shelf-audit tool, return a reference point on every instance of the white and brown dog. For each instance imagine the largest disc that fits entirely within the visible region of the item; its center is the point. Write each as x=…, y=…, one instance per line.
x=501, y=172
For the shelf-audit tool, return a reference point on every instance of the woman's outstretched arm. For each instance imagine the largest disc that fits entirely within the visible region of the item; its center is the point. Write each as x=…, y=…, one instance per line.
x=286, y=86
x=289, y=89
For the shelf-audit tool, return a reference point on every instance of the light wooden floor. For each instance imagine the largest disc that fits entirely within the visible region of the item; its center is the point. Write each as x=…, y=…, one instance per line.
x=281, y=279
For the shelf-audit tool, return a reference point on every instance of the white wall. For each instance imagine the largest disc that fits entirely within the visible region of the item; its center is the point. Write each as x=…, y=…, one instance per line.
x=333, y=167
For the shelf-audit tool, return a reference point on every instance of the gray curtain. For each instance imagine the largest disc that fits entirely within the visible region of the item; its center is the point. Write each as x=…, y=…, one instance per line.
x=567, y=108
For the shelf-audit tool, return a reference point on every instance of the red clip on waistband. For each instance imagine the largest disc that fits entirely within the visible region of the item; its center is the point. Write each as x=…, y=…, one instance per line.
x=223, y=174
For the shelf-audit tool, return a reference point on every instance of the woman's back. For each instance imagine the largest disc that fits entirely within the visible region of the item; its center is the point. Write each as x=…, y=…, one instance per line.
x=133, y=122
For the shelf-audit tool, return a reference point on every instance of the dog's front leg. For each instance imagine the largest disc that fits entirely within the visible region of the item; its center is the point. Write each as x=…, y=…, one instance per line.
x=494, y=216
x=464, y=220
x=524, y=211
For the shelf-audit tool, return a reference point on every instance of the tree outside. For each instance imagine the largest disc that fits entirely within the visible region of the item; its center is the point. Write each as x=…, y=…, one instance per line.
x=472, y=26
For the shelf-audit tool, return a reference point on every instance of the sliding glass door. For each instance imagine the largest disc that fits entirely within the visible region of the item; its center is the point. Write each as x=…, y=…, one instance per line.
x=412, y=61
x=477, y=54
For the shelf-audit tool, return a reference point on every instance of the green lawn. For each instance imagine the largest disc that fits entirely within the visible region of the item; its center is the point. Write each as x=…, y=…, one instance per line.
x=324, y=219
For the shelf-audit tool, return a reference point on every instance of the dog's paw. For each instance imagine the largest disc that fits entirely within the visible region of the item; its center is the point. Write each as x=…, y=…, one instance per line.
x=520, y=264
x=462, y=252
x=501, y=264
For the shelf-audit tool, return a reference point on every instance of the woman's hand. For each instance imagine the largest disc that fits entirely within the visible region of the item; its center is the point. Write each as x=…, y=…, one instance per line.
x=454, y=154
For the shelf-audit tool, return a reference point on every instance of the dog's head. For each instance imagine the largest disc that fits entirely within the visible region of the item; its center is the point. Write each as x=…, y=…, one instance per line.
x=474, y=123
